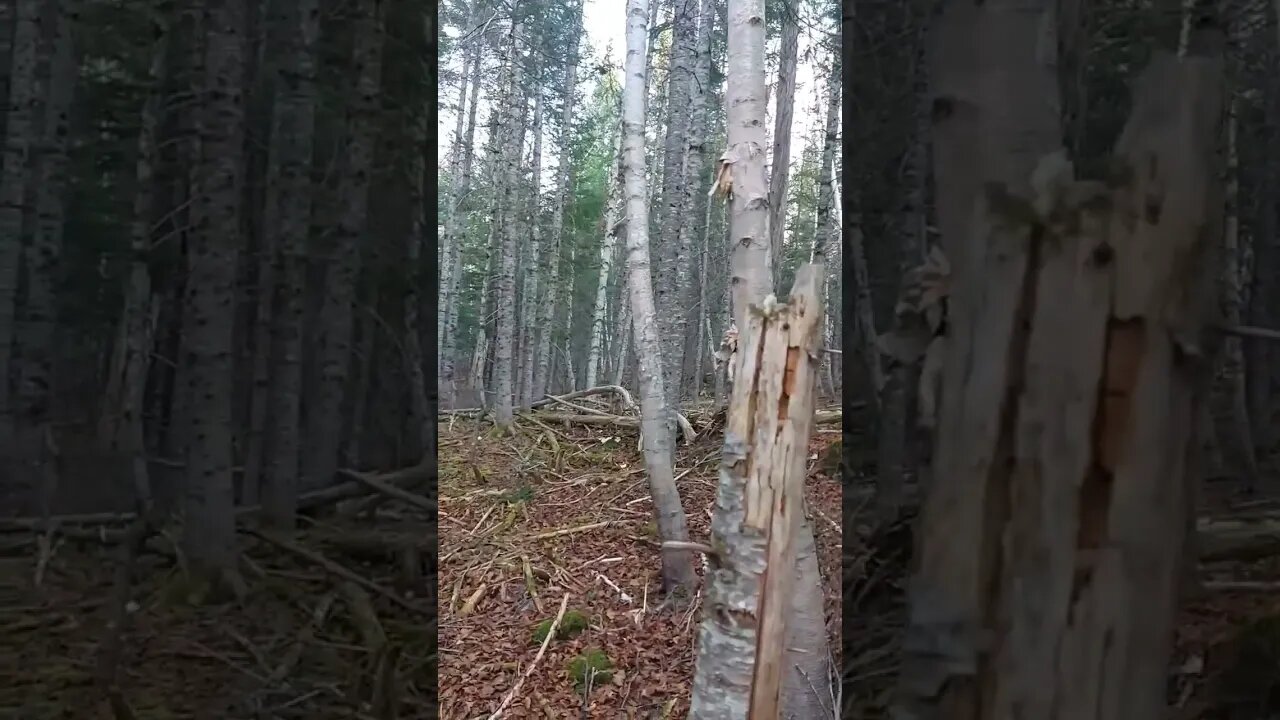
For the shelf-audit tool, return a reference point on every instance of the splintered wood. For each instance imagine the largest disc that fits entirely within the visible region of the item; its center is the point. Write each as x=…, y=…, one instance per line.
x=759, y=506
x=1052, y=541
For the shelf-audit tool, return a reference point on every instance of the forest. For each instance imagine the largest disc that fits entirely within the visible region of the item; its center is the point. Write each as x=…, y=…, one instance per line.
x=625, y=189
x=215, y=294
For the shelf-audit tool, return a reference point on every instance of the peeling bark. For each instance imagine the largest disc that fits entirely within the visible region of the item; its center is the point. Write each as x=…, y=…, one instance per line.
x=748, y=619
x=1050, y=558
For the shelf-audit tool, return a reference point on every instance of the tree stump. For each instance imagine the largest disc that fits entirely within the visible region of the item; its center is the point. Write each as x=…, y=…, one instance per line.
x=759, y=509
x=1053, y=538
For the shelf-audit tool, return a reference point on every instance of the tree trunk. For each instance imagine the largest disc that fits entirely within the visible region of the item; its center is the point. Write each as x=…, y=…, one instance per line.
x=780, y=168
x=1230, y=398
x=288, y=213
x=564, y=189
x=826, y=235
x=209, y=537
x=324, y=437
x=458, y=209
x=696, y=182
x=38, y=338
x=749, y=627
x=20, y=141
x=1064, y=517
x=614, y=223
x=740, y=172
x=672, y=276
x=529, y=301
x=677, y=566
x=414, y=364
x=121, y=426
x=504, y=332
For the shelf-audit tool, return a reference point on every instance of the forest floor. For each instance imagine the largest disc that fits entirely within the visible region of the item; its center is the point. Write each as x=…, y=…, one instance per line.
x=565, y=510
x=335, y=622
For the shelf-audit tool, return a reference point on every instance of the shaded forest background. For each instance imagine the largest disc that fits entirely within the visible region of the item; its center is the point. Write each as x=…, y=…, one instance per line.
x=213, y=269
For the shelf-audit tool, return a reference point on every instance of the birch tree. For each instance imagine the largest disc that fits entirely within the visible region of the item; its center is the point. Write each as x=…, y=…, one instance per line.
x=505, y=306
x=677, y=565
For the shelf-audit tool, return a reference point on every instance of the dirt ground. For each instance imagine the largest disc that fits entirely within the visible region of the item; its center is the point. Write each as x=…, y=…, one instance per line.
x=502, y=503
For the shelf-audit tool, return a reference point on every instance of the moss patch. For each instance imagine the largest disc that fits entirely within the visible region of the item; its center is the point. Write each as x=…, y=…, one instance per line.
x=592, y=664
x=571, y=625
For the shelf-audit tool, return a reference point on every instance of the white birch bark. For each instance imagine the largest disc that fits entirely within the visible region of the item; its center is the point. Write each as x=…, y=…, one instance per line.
x=740, y=172
x=677, y=566
x=613, y=224
x=504, y=331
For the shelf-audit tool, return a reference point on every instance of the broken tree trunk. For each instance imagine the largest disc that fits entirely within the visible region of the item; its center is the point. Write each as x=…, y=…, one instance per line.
x=1053, y=538
x=759, y=509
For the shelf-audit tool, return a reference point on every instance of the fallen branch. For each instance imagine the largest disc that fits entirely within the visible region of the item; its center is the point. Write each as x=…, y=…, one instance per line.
x=570, y=531
x=359, y=485
x=379, y=485
x=511, y=694
x=686, y=428
x=332, y=567
x=598, y=390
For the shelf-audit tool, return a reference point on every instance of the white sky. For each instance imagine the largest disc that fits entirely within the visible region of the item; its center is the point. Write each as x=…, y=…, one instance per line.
x=605, y=25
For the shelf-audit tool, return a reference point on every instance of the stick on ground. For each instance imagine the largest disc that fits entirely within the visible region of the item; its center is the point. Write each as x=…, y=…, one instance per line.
x=511, y=694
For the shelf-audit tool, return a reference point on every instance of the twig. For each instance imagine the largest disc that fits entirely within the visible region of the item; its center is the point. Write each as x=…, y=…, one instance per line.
x=685, y=545
x=570, y=531
x=511, y=694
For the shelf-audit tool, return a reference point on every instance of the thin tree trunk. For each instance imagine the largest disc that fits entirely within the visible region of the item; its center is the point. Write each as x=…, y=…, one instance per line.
x=780, y=168
x=504, y=332
x=122, y=427
x=677, y=566
x=336, y=314
x=694, y=227
x=452, y=263
x=1231, y=400
x=529, y=302
x=43, y=255
x=209, y=537
x=414, y=364
x=742, y=165
x=288, y=213
x=614, y=223
x=20, y=141
x=825, y=239
x=672, y=246
x=564, y=190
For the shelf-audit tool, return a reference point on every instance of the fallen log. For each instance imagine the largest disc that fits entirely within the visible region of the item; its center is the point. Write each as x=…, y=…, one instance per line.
x=361, y=483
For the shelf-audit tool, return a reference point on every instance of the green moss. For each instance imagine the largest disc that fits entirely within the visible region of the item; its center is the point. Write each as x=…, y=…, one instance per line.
x=1254, y=678
x=571, y=625
x=593, y=664
x=522, y=494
